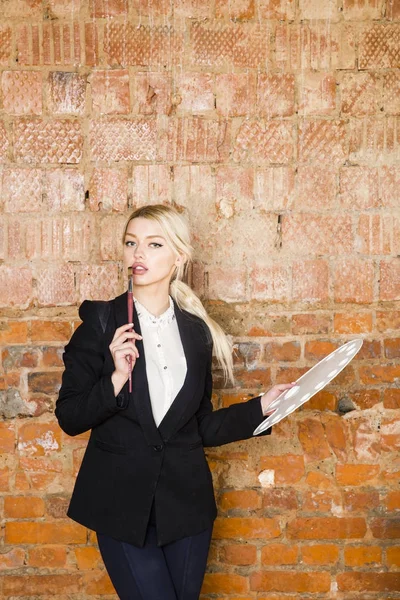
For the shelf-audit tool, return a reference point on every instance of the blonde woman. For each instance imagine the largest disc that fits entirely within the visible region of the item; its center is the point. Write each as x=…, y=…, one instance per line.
x=144, y=484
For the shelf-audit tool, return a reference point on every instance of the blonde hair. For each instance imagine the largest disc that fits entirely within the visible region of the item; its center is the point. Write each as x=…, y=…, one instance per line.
x=177, y=233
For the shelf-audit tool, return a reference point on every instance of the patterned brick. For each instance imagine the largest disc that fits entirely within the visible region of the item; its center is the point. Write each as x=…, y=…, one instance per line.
x=50, y=42
x=195, y=93
x=389, y=287
x=359, y=188
x=310, y=281
x=317, y=93
x=379, y=47
x=221, y=44
x=354, y=281
x=195, y=140
x=318, y=234
x=107, y=8
x=274, y=188
x=66, y=93
x=363, y=9
x=56, y=285
x=56, y=141
x=22, y=190
x=4, y=144
x=393, y=10
x=235, y=94
x=238, y=10
x=277, y=9
x=98, y=282
x=389, y=186
x=192, y=8
x=234, y=192
x=316, y=188
x=264, y=142
x=5, y=44
x=143, y=45
x=374, y=234
x=271, y=283
x=64, y=190
x=151, y=184
x=60, y=9
x=391, y=93
x=110, y=92
x=314, y=46
x=323, y=141
x=361, y=93
x=117, y=139
x=374, y=140
x=318, y=9
x=21, y=8
x=275, y=95
x=22, y=92
x=15, y=286
x=152, y=94
x=111, y=230
x=108, y=190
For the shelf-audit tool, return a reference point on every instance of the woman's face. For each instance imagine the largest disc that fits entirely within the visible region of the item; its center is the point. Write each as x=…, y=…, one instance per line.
x=146, y=250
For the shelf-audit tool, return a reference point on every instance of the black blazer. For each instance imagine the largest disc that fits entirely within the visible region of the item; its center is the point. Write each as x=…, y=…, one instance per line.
x=129, y=462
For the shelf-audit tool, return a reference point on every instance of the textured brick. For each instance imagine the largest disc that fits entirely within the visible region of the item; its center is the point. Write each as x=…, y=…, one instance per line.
x=321, y=502
x=108, y=190
x=360, y=501
x=313, y=440
x=310, y=281
x=374, y=234
x=117, y=139
x=15, y=286
x=354, y=281
x=49, y=43
x=310, y=323
x=279, y=499
x=314, y=46
x=323, y=142
x=59, y=9
x=12, y=559
x=64, y=189
x=364, y=399
x=391, y=93
x=279, y=554
x=352, y=323
x=56, y=285
x=196, y=140
x=53, y=585
x=316, y=188
x=235, y=94
x=107, y=8
x=379, y=374
x=275, y=95
x=359, y=187
x=274, y=188
x=391, y=398
x=276, y=9
x=282, y=352
x=143, y=45
x=318, y=528
x=150, y=184
x=153, y=8
x=98, y=282
x=291, y=581
x=319, y=234
x=195, y=93
x=374, y=140
x=389, y=286
x=317, y=93
x=239, y=10
x=110, y=92
x=391, y=348
x=4, y=143
x=22, y=92
x=264, y=142
x=388, y=320
x=5, y=43
x=389, y=181
x=385, y=528
x=54, y=557
x=287, y=469
x=218, y=45
x=47, y=141
x=361, y=94
x=359, y=556
x=379, y=46
x=318, y=9
x=21, y=8
x=239, y=554
x=152, y=94
x=66, y=93
x=363, y=9
x=368, y=582
x=320, y=554
x=393, y=10
x=234, y=190
x=22, y=190
x=39, y=439
x=111, y=230
x=249, y=528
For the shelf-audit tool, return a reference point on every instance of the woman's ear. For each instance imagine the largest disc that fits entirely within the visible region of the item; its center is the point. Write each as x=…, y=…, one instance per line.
x=180, y=260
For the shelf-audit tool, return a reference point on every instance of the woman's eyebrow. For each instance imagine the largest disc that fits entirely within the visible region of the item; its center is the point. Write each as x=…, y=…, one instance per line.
x=147, y=237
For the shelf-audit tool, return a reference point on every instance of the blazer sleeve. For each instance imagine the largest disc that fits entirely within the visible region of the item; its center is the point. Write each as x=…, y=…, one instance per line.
x=225, y=425
x=86, y=398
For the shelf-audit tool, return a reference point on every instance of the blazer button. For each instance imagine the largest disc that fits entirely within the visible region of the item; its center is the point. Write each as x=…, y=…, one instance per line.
x=158, y=448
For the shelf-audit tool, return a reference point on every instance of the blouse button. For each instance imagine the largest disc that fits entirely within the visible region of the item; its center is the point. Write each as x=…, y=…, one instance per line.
x=165, y=367
x=158, y=345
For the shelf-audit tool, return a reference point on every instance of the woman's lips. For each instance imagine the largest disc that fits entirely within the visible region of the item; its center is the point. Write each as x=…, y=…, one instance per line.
x=139, y=270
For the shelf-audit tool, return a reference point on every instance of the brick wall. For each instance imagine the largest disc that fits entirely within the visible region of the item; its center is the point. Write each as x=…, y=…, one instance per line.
x=276, y=124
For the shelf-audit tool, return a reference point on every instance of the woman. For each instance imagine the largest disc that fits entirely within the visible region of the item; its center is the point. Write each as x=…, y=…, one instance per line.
x=144, y=484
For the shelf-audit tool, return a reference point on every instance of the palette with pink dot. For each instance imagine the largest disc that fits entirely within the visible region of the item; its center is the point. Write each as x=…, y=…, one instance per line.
x=310, y=383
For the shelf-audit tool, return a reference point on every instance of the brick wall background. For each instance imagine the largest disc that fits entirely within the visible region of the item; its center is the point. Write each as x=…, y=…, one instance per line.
x=277, y=125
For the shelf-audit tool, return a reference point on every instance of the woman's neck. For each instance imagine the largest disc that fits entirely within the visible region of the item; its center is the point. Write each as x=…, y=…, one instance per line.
x=156, y=304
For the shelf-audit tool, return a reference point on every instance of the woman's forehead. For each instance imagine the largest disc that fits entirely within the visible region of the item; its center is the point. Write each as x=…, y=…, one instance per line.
x=144, y=227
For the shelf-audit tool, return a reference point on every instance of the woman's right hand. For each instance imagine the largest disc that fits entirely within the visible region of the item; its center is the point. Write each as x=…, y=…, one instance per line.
x=122, y=347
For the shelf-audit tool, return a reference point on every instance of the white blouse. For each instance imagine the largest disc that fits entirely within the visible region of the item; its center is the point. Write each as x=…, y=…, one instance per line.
x=165, y=359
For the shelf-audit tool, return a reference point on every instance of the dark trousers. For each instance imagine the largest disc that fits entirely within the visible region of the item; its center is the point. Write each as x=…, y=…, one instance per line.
x=171, y=572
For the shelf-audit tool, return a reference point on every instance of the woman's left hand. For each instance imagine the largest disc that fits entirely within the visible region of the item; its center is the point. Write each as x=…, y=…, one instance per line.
x=272, y=394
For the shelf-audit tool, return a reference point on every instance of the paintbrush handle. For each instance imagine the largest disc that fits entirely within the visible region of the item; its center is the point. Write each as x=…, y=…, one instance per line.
x=130, y=320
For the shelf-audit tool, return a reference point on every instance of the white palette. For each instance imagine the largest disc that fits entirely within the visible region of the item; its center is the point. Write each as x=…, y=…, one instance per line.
x=310, y=383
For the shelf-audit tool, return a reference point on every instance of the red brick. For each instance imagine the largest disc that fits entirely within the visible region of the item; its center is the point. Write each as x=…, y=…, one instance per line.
x=359, y=187
x=4, y=476
x=235, y=94
x=393, y=556
x=7, y=438
x=319, y=234
x=316, y=350
x=392, y=348
x=39, y=439
x=322, y=401
x=22, y=92
x=240, y=499
x=389, y=286
x=56, y=141
x=152, y=94
x=66, y=93
x=378, y=46
x=15, y=357
x=275, y=95
x=313, y=441
x=87, y=557
x=361, y=94
x=349, y=474
x=239, y=554
x=274, y=188
x=317, y=93
x=310, y=281
x=12, y=559
x=288, y=374
x=374, y=234
x=56, y=285
x=249, y=528
x=385, y=528
x=150, y=184
x=117, y=139
x=391, y=398
x=321, y=502
x=279, y=499
x=387, y=320
x=282, y=352
x=108, y=190
x=365, y=399
x=44, y=383
x=318, y=480
x=360, y=501
x=224, y=583
x=52, y=357
x=290, y=581
x=320, y=554
x=390, y=434
x=311, y=323
x=373, y=139
x=107, y=8
x=360, y=556
x=50, y=331
x=352, y=323
x=5, y=44
x=354, y=281
x=271, y=283
x=15, y=286
x=253, y=378
x=323, y=142
x=391, y=92
x=23, y=507
x=195, y=93
x=240, y=10
x=53, y=585
x=153, y=8
x=98, y=282
x=27, y=532
x=49, y=557
x=64, y=189
x=287, y=469
x=372, y=375
x=110, y=92
x=264, y=142
x=279, y=554
x=368, y=582
x=226, y=284
x=319, y=528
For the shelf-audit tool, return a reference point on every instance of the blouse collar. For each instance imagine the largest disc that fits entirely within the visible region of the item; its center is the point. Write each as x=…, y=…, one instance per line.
x=147, y=318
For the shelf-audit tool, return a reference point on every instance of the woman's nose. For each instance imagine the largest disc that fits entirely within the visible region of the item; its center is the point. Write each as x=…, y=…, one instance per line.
x=139, y=251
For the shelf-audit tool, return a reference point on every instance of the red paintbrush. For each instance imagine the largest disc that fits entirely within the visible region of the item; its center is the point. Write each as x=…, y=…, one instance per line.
x=130, y=319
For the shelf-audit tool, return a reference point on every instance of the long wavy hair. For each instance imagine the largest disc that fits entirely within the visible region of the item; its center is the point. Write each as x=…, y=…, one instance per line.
x=177, y=235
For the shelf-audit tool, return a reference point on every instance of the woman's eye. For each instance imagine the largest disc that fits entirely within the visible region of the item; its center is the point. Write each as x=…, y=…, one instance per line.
x=156, y=245
x=129, y=243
